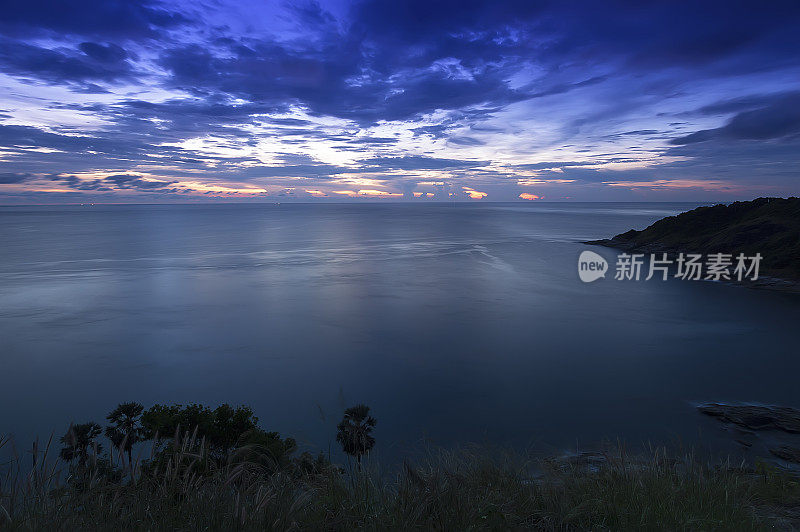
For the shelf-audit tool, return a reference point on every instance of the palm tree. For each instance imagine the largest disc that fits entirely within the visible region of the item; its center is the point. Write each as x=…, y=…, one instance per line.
x=126, y=428
x=77, y=441
x=354, y=431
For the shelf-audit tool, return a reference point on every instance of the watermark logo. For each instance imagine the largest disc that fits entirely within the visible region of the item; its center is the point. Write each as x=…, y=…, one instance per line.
x=685, y=266
x=591, y=266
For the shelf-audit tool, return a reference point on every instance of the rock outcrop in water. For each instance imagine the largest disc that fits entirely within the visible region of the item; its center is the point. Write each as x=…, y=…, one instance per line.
x=756, y=417
x=756, y=421
x=769, y=226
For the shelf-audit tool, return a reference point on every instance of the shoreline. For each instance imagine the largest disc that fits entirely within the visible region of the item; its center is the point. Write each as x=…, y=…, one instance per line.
x=764, y=282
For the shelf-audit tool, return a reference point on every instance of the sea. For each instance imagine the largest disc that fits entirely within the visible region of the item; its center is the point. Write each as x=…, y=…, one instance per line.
x=456, y=323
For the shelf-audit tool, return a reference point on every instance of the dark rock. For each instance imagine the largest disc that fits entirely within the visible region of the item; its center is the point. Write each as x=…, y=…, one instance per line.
x=784, y=452
x=756, y=417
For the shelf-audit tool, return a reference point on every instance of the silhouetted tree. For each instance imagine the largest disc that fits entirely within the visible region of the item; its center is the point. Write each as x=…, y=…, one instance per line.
x=354, y=431
x=221, y=430
x=77, y=441
x=126, y=428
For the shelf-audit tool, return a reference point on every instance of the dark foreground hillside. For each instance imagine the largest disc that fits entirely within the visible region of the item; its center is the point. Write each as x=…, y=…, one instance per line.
x=769, y=226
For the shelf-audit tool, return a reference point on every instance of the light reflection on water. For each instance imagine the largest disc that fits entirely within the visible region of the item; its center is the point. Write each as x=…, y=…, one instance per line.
x=458, y=322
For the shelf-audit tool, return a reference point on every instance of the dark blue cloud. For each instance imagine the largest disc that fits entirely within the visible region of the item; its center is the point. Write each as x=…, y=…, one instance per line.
x=112, y=183
x=118, y=19
x=647, y=35
x=7, y=178
x=416, y=162
x=778, y=117
x=104, y=53
x=401, y=59
x=465, y=141
x=292, y=170
x=322, y=80
x=91, y=63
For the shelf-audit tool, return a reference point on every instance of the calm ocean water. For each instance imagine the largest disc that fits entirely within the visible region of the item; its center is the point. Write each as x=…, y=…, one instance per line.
x=454, y=322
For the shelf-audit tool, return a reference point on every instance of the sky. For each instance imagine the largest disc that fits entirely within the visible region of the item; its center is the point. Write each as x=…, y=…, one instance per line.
x=420, y=100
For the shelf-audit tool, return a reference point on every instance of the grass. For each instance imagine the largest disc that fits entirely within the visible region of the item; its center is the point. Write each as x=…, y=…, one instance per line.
x=469, y=488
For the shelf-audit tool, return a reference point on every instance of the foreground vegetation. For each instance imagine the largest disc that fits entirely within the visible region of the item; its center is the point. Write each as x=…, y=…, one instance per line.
x=188, y=483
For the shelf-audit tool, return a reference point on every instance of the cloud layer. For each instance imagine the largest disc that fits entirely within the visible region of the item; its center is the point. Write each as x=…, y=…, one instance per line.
x=149, y=101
